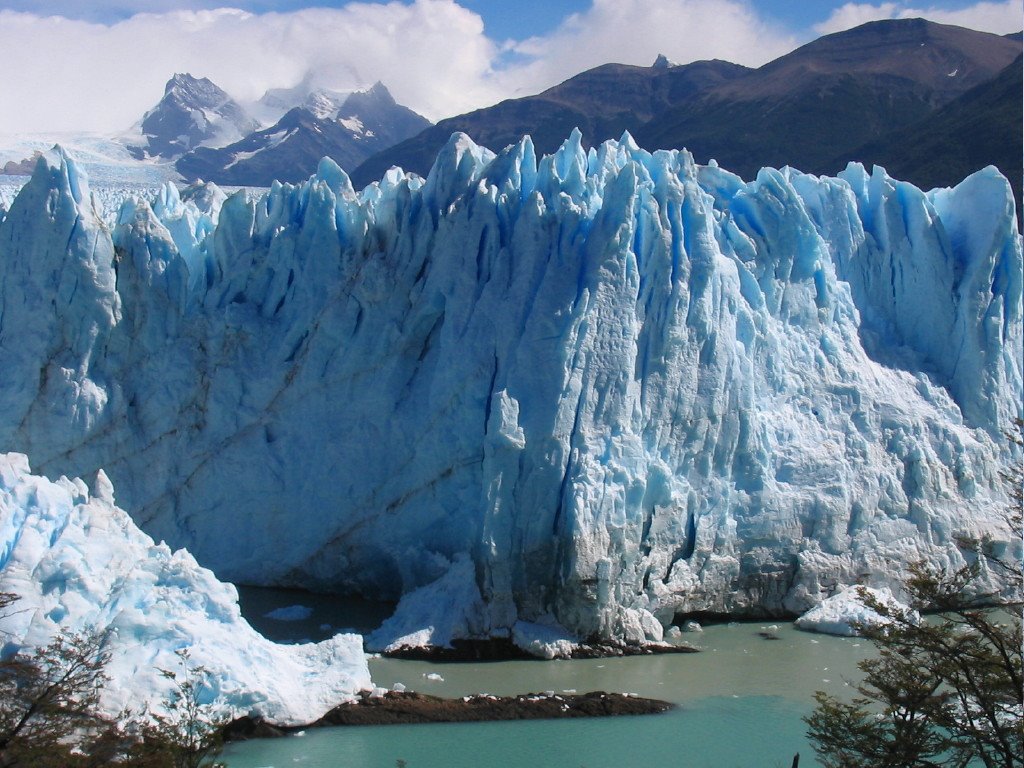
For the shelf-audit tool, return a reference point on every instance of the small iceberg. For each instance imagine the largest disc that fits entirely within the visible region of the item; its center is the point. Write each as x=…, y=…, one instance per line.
x=290, y=613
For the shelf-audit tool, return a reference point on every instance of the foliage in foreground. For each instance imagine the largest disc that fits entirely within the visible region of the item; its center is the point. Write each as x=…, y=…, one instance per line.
x=49, y=712
x=48, y=697
x=189, y=734
x=940, y=693
x=948, y=691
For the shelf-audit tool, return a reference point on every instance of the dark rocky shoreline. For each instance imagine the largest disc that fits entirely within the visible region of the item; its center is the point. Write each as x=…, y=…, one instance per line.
x=407, y=707
x=502, y=649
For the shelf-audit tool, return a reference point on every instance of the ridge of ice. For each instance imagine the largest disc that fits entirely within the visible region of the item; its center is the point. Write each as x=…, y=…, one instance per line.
x=80, y=564
x=621, y=385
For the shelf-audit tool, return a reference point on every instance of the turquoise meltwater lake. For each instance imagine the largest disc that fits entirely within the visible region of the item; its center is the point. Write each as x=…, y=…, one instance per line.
x=739, y=705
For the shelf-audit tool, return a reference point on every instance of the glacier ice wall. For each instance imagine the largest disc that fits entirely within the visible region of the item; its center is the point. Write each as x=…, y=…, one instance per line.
x=78, y=563
x=626, y=386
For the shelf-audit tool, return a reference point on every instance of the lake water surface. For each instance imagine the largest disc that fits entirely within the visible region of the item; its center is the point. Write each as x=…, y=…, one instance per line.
x=739, y=705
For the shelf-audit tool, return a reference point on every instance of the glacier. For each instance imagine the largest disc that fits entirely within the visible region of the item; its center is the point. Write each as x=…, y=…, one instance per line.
x=588, y=393
x=79, y=565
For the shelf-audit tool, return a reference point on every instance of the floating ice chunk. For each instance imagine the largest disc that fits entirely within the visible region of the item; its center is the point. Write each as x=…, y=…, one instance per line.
x=290, y=613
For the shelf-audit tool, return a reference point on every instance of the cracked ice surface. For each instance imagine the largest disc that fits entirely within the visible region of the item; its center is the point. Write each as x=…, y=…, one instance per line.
x=623, y=385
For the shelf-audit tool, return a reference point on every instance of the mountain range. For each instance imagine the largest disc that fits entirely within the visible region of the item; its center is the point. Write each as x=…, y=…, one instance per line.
x=980, y=127
x=365, y=123
x=831, y=96
x=877, y=91
x=931, y=102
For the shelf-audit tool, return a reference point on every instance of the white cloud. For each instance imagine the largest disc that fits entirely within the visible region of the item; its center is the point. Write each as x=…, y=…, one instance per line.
x=1000, y=18
x=636, y=31
x=433, y=54
x=75, y=75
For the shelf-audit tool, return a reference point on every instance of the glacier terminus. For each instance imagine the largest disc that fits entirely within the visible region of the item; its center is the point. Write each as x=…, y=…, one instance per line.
x=575, y=396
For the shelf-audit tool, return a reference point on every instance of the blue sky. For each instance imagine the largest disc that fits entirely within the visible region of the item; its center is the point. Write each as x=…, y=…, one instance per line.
x=97, y=65
x=503, y=19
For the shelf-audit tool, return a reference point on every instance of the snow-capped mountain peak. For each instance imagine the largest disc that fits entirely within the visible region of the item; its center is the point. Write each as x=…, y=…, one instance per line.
x=193, y=112
x=324, y=103
x=365, y=123
x=321, y=101
x=198, y=92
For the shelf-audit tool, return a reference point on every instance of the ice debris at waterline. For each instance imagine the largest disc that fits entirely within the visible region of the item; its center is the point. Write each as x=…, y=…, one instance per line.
x=845, y=613
x=621, y=385
x=79, y=564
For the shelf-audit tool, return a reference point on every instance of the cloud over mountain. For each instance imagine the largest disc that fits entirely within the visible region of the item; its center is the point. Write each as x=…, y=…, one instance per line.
x=434, y=55
x=998, y=17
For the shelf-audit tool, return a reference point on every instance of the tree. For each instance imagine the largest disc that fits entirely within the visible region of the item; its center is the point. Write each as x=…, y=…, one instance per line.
x=948, y=691
x=941, y=692
x=188, y=735
x=48, y=698
x=49, y=712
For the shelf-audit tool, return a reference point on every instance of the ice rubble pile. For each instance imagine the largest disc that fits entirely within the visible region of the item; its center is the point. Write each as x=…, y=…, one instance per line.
x=618, y=384
x=845, y=612
x=80, y=564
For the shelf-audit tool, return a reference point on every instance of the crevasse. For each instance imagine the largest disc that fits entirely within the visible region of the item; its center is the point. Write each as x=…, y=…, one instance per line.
x=621, y=385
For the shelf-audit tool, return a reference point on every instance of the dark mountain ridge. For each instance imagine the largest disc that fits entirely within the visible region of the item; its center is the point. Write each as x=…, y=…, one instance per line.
x=602, y=102
x=814, y=108
x=830, y=97
x=981, y=127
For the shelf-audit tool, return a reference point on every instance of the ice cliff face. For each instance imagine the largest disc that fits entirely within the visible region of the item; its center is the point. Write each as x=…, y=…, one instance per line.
x=623, y=385
x=79, y=563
